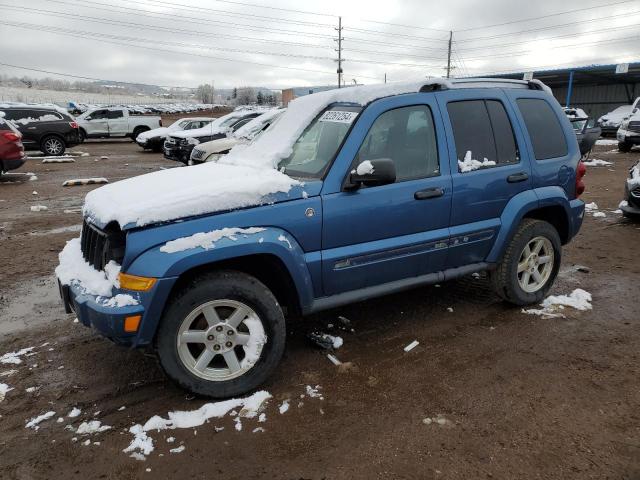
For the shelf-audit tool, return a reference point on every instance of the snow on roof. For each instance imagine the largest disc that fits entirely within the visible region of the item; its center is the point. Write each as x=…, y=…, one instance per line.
x=212, y=128
x=277, y=142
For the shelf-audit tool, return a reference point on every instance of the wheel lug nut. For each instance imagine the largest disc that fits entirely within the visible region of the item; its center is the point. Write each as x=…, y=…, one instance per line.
x=216, y=347
x=229, y=344
x=230, y=332
x=219, y=328
x=210, y=337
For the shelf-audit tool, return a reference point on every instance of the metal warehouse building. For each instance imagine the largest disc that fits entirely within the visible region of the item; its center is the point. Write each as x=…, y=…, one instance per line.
x=596, y=89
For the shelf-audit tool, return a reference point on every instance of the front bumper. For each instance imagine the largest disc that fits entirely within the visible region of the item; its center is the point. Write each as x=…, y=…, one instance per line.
x=177, y=152
x=632, y=207
x=92, y=312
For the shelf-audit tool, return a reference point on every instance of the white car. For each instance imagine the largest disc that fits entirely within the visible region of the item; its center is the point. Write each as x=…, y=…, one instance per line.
x=611, y=121
x=114, y=122
x=153, y=139
x=213, y=150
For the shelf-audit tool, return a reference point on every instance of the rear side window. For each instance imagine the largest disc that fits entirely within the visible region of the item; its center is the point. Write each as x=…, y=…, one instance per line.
x=483, y=128
x=114, y=114
x=545, y=130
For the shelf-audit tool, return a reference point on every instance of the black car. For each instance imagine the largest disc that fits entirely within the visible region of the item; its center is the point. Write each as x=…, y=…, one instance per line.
x=46, y=129
x=178, y=146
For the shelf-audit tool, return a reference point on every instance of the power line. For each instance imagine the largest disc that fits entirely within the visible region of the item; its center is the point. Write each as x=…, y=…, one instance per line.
x=393, y=34
x=107, y=21
x=407, y=26
x=550, y=27
x=530, y=19
x=304, y=12
x=375, y=52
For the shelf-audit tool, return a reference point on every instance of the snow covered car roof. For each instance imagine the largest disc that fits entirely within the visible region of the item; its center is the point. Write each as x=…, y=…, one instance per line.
x=219, y=125
x=255, y=126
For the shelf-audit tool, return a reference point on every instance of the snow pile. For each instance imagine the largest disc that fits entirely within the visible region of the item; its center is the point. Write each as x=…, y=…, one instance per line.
x=606, y=141
x=314, y=392
x=35, y=421
x=142, y=444
x=4, y=388
x=121, y=300
x=207, y=240
x=597, y=163
x=284, y=407
x=470, y=164
x=89, y=428
x=365, y=168
x=181, y=192
x=591, y=207
x=277, y=142
x=579, y=299
x=75, y=412
x=62, y=159
x=14, y=357
x=38, y=208
x=73, y=268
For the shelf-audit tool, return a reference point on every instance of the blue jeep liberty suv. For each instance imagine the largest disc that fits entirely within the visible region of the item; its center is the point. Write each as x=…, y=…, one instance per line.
x=354, y=193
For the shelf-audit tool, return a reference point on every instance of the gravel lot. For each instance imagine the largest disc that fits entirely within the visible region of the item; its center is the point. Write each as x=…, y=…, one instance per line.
x=489, y=391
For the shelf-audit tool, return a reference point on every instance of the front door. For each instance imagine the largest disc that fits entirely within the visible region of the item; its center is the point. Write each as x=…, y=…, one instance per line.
x=97, y=123
x=376, y=235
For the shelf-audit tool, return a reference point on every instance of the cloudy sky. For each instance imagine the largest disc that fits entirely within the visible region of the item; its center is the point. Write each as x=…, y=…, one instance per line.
x=282, y=43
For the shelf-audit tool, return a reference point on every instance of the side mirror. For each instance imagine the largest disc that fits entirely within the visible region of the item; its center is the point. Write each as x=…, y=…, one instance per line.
x=635, y=110
x=372, y=173
x=88, y=118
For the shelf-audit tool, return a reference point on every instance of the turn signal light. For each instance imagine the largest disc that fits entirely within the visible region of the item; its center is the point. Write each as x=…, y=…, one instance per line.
x=133, y=282
x=131, y=324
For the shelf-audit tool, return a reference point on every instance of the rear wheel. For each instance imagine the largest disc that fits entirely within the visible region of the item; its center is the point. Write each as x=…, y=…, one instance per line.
x=624, y=147
x=222, y=335
x=530, y=264
x=52, y=146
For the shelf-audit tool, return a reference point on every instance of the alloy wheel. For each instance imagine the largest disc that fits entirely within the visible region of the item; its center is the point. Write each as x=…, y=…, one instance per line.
x=535, y=264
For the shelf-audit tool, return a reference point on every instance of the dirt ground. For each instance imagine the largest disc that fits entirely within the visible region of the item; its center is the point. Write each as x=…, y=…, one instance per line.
x=511, y=395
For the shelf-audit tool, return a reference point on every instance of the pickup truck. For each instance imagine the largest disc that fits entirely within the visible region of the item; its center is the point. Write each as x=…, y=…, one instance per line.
x=352, y=194
x=114, y=122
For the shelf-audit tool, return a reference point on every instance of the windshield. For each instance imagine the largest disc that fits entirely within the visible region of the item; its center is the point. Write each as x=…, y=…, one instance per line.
x=578, y=125
x=314, y=151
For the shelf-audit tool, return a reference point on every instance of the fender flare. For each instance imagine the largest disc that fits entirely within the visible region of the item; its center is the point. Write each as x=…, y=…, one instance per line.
x=519, y=206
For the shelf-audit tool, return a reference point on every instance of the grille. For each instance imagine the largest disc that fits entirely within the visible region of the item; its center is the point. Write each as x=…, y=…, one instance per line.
x=197, y=154
x=99, y=247
x=636, y=192
x=634, y=126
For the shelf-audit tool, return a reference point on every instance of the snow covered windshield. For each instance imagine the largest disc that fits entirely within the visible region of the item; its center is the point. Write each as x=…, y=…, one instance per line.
x=315, y=149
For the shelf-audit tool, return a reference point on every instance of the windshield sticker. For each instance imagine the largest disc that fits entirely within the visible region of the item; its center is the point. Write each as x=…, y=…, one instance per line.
x=338, y=116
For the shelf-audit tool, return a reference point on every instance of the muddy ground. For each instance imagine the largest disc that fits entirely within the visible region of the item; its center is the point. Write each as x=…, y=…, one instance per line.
x=512, y=395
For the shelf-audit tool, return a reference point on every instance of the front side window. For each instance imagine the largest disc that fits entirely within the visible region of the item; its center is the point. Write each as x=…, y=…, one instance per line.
x=316, y=148
x=407, y=136
x=99, y=115
x=545, y=131
x=483, y=134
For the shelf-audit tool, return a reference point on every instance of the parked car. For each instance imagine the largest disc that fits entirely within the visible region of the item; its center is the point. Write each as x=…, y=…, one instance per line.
x=587, y=133
x=115, y=122
x=610, y=122
x=628, y=134
x=631, y=205
x=178, y=145
x=354, y=193
x=215, y=149
x=154, y=139
x=11, y=149
x=47, y=129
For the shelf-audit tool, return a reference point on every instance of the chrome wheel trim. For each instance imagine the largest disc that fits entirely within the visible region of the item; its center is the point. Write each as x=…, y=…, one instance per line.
x=53, y=146
x=240, y=331
x=535, y=264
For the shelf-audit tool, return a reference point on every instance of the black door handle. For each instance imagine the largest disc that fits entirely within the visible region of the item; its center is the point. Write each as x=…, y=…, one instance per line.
x=517, y=177
x=428, y=193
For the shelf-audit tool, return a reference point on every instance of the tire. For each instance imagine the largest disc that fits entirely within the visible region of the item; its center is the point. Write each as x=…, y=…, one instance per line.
x=52, y=145
x=624, y=147
x=508, y=282
x=137, y=132
x=221, y=291
x=82, y=135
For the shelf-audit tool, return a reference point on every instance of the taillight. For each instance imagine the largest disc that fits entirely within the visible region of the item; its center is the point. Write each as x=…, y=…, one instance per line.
x=580, y=173
x=12, y=137
x=73, y=124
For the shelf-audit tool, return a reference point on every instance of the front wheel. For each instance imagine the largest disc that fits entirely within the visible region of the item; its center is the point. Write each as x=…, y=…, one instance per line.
x=222, y=335
x=530, y=264
x=624, y=147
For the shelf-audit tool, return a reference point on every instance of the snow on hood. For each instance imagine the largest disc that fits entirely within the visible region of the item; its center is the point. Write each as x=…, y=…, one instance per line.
x=616, y=116
x=156, y=132
x=183, y=192
x=277, y=142
x=213, y=128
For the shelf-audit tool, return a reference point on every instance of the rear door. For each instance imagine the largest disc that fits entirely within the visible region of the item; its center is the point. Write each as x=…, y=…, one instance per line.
x=381, y=234
x=118, y=123
x=489, y=166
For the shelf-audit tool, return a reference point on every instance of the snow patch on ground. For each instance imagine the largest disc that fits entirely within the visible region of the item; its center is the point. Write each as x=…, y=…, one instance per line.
x=552, y=305
x=14, y=357
x=207, y=240
x=595, y=162
x=470, y=164
x=4, y=388
x=94, y=426
x=75, y=412
x=73, y=268
x=606, y=141
x=284, y=407
x=35, y=421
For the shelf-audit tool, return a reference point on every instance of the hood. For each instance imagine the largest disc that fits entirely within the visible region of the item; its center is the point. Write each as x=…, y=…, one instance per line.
x=207, y=130
x=156, y=132
x=183, y=192
x=220, y=145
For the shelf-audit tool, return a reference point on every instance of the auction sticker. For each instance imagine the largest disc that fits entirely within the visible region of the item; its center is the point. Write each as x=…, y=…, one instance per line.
x=338, y=116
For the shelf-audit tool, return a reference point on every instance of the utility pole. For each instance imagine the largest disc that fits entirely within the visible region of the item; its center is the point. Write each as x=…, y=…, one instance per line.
x=339, y=50
x=449, y=54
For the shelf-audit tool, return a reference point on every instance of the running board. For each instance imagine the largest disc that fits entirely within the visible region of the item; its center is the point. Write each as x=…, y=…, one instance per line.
x=353, y=296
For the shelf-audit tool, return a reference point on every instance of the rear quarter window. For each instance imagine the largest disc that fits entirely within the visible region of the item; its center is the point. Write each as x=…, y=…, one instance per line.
x=545, y=131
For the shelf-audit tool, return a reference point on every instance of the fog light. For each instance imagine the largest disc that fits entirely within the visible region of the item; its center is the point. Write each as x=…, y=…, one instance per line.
x=132, y=323
x=133, y=282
